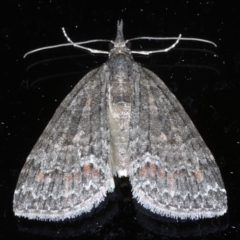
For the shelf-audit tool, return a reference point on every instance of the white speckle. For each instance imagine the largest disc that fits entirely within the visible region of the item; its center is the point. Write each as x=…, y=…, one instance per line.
x=122, y=173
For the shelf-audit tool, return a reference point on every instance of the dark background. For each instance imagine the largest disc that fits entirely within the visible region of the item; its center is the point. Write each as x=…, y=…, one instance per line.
x=205, y=79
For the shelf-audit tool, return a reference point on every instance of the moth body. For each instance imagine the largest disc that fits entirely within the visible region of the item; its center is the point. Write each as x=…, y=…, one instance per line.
x=119, y=111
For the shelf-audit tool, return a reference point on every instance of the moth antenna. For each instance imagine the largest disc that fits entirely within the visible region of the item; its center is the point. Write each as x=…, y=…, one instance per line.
x=119, y=42
x=173, y=38
x=157, y=51
x=85, y=48
x=71, y=44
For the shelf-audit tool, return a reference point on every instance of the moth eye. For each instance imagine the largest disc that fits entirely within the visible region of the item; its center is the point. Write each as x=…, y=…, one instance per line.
x=110, y=45
x=129, y=45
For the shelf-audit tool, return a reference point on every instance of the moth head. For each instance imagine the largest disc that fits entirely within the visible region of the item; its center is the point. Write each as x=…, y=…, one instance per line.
x=119, y=43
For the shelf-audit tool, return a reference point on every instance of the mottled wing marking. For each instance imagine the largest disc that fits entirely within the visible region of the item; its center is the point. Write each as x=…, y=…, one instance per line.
x=173, y=173
x=67, y=173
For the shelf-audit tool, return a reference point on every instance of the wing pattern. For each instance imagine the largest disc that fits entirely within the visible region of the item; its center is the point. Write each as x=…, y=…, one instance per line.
x=173, y=173
x=67, y=172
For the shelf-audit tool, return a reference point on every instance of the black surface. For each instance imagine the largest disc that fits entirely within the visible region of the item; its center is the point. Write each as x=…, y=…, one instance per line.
x=204, y=79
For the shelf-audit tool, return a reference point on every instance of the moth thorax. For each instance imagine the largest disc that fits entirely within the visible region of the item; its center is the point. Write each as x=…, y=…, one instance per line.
x=121, y=92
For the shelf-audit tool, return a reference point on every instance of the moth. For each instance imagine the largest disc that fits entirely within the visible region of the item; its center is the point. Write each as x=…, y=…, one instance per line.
x=120, y=120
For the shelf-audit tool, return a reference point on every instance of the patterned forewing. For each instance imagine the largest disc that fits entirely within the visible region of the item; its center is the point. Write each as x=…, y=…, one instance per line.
x=67, y=173
x=173, y=173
